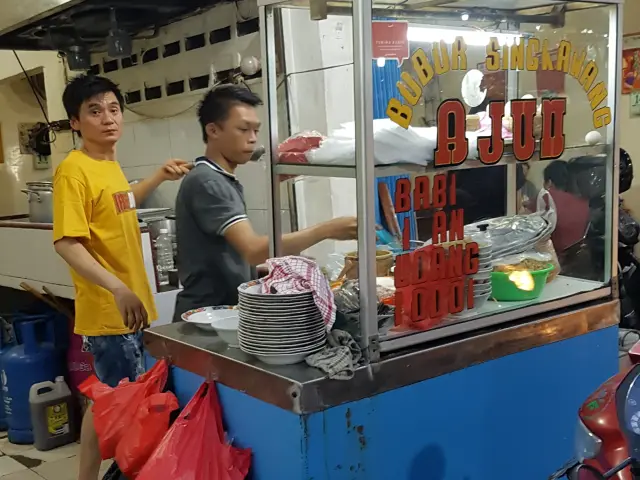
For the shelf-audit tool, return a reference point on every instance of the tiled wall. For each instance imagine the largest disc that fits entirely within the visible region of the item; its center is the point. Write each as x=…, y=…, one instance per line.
x=170, y=129
x=17, y=105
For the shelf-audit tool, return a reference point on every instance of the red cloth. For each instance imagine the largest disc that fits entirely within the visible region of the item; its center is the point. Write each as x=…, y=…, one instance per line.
x=573, y=218
x=293, y=274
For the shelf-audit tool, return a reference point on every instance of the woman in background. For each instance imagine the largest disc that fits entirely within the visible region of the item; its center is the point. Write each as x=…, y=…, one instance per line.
x=527, y=191
x=571, y=210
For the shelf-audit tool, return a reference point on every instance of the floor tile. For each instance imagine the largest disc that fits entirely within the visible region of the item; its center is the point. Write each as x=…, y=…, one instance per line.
x=65, y=469
x=29, y=451
x=24, y=475
x=9, y=448
x=104, y=467
x=8, y=465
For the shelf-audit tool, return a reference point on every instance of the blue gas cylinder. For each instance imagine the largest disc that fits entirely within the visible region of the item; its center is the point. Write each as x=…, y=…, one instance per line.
x=26, y=364
x=7, y=340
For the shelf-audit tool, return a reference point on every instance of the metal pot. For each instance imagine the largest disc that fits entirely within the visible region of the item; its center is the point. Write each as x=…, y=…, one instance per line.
x=40, y=196
x=157, y=224
x=154, y=200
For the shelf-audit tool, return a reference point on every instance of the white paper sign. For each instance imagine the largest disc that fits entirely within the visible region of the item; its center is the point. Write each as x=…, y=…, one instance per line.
x=634, y=99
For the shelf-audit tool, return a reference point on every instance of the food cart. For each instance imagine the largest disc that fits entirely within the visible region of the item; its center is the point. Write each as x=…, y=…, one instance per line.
x=474, y=376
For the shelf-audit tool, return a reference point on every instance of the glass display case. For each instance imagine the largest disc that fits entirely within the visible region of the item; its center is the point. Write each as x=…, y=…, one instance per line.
x=475, y=141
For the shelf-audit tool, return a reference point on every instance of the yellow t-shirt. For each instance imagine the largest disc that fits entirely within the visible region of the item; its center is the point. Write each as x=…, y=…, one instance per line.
x=93, y=202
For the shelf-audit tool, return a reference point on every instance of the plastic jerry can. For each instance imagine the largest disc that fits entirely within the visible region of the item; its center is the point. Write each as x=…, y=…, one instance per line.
x=53, y=414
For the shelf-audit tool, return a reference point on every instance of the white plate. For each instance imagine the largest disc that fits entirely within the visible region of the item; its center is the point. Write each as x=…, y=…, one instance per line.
x=262, y=306
x=282, y=318
x=282, y=334
x=268, y=306
x=289, y=297
x=282, y=359
x=289, y=313
x=303, y=309
x=205, y=316
x=271, y=340
x=281, y=326
x=281, y=343
x=282, y=329
x=254, y=289
x=301, y=340
x=257, y=350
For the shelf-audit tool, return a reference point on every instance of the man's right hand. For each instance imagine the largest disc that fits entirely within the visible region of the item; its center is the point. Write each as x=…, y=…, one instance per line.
x=131, y=308
x=343, y=228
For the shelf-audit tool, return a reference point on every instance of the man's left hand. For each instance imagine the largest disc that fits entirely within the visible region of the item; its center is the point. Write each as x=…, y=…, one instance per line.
x=175, y=169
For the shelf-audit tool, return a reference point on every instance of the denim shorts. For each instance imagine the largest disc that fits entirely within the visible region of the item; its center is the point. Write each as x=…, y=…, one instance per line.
x=116, y=357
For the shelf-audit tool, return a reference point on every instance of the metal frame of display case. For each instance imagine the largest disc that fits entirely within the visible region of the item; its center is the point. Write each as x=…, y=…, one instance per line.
x=365, y=172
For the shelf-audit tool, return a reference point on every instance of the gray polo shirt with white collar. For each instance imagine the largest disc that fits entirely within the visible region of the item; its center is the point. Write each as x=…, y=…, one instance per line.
x=209, y=201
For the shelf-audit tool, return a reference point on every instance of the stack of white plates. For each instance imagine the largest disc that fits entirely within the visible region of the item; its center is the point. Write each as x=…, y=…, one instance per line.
x=279, y=329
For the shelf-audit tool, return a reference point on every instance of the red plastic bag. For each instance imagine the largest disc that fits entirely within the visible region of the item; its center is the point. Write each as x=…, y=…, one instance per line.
x=194, y=448
x=115, y=408
x=145, y=433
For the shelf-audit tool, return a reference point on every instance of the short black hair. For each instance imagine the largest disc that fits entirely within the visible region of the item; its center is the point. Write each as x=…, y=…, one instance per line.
x=558, y=173
x=217, y=103
x=84, y=87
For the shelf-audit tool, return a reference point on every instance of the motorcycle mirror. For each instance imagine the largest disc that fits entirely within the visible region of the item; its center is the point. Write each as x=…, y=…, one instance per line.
x=584, y=472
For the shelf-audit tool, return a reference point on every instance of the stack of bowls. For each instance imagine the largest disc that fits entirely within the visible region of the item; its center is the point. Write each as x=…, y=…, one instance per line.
x=482, y=278
x=481, y=282
x=279, y=329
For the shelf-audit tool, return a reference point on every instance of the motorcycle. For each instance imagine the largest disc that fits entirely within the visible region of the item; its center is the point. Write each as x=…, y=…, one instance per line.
x=589, y=174
x=607, y=442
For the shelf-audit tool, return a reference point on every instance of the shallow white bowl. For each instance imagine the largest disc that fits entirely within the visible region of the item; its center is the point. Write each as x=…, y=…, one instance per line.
x=227, y=329
x=205, y=316
x=282, y=359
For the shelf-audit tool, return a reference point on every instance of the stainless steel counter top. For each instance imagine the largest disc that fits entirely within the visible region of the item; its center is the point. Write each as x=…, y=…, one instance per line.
x=22, y=221
x=304, y=390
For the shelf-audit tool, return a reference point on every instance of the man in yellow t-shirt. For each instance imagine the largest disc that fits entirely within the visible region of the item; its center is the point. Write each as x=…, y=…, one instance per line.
x=95, y=229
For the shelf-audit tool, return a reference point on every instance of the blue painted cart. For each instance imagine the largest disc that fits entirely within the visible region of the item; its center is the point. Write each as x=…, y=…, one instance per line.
x=501, y=405
x=494, y=397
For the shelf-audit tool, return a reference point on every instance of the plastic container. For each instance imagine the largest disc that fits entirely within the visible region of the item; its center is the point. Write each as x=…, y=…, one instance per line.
x=26, y=364
x=506, y=290
x=53, y=414
x=164, y=256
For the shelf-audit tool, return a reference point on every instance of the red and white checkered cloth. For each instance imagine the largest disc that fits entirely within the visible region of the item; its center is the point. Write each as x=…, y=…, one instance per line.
x=293, y=274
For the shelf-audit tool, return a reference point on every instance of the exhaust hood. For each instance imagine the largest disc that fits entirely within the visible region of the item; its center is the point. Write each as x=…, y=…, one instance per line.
x=88, y=25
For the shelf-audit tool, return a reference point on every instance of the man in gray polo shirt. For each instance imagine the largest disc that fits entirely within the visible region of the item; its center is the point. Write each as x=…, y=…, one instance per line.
x=217, y=246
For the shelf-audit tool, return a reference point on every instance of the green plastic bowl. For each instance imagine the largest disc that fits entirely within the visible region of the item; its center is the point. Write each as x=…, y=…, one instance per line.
x=504, y=290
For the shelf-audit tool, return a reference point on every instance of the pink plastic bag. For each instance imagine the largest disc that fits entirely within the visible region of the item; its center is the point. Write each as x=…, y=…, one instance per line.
x=294, y=149
x=194, y=448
